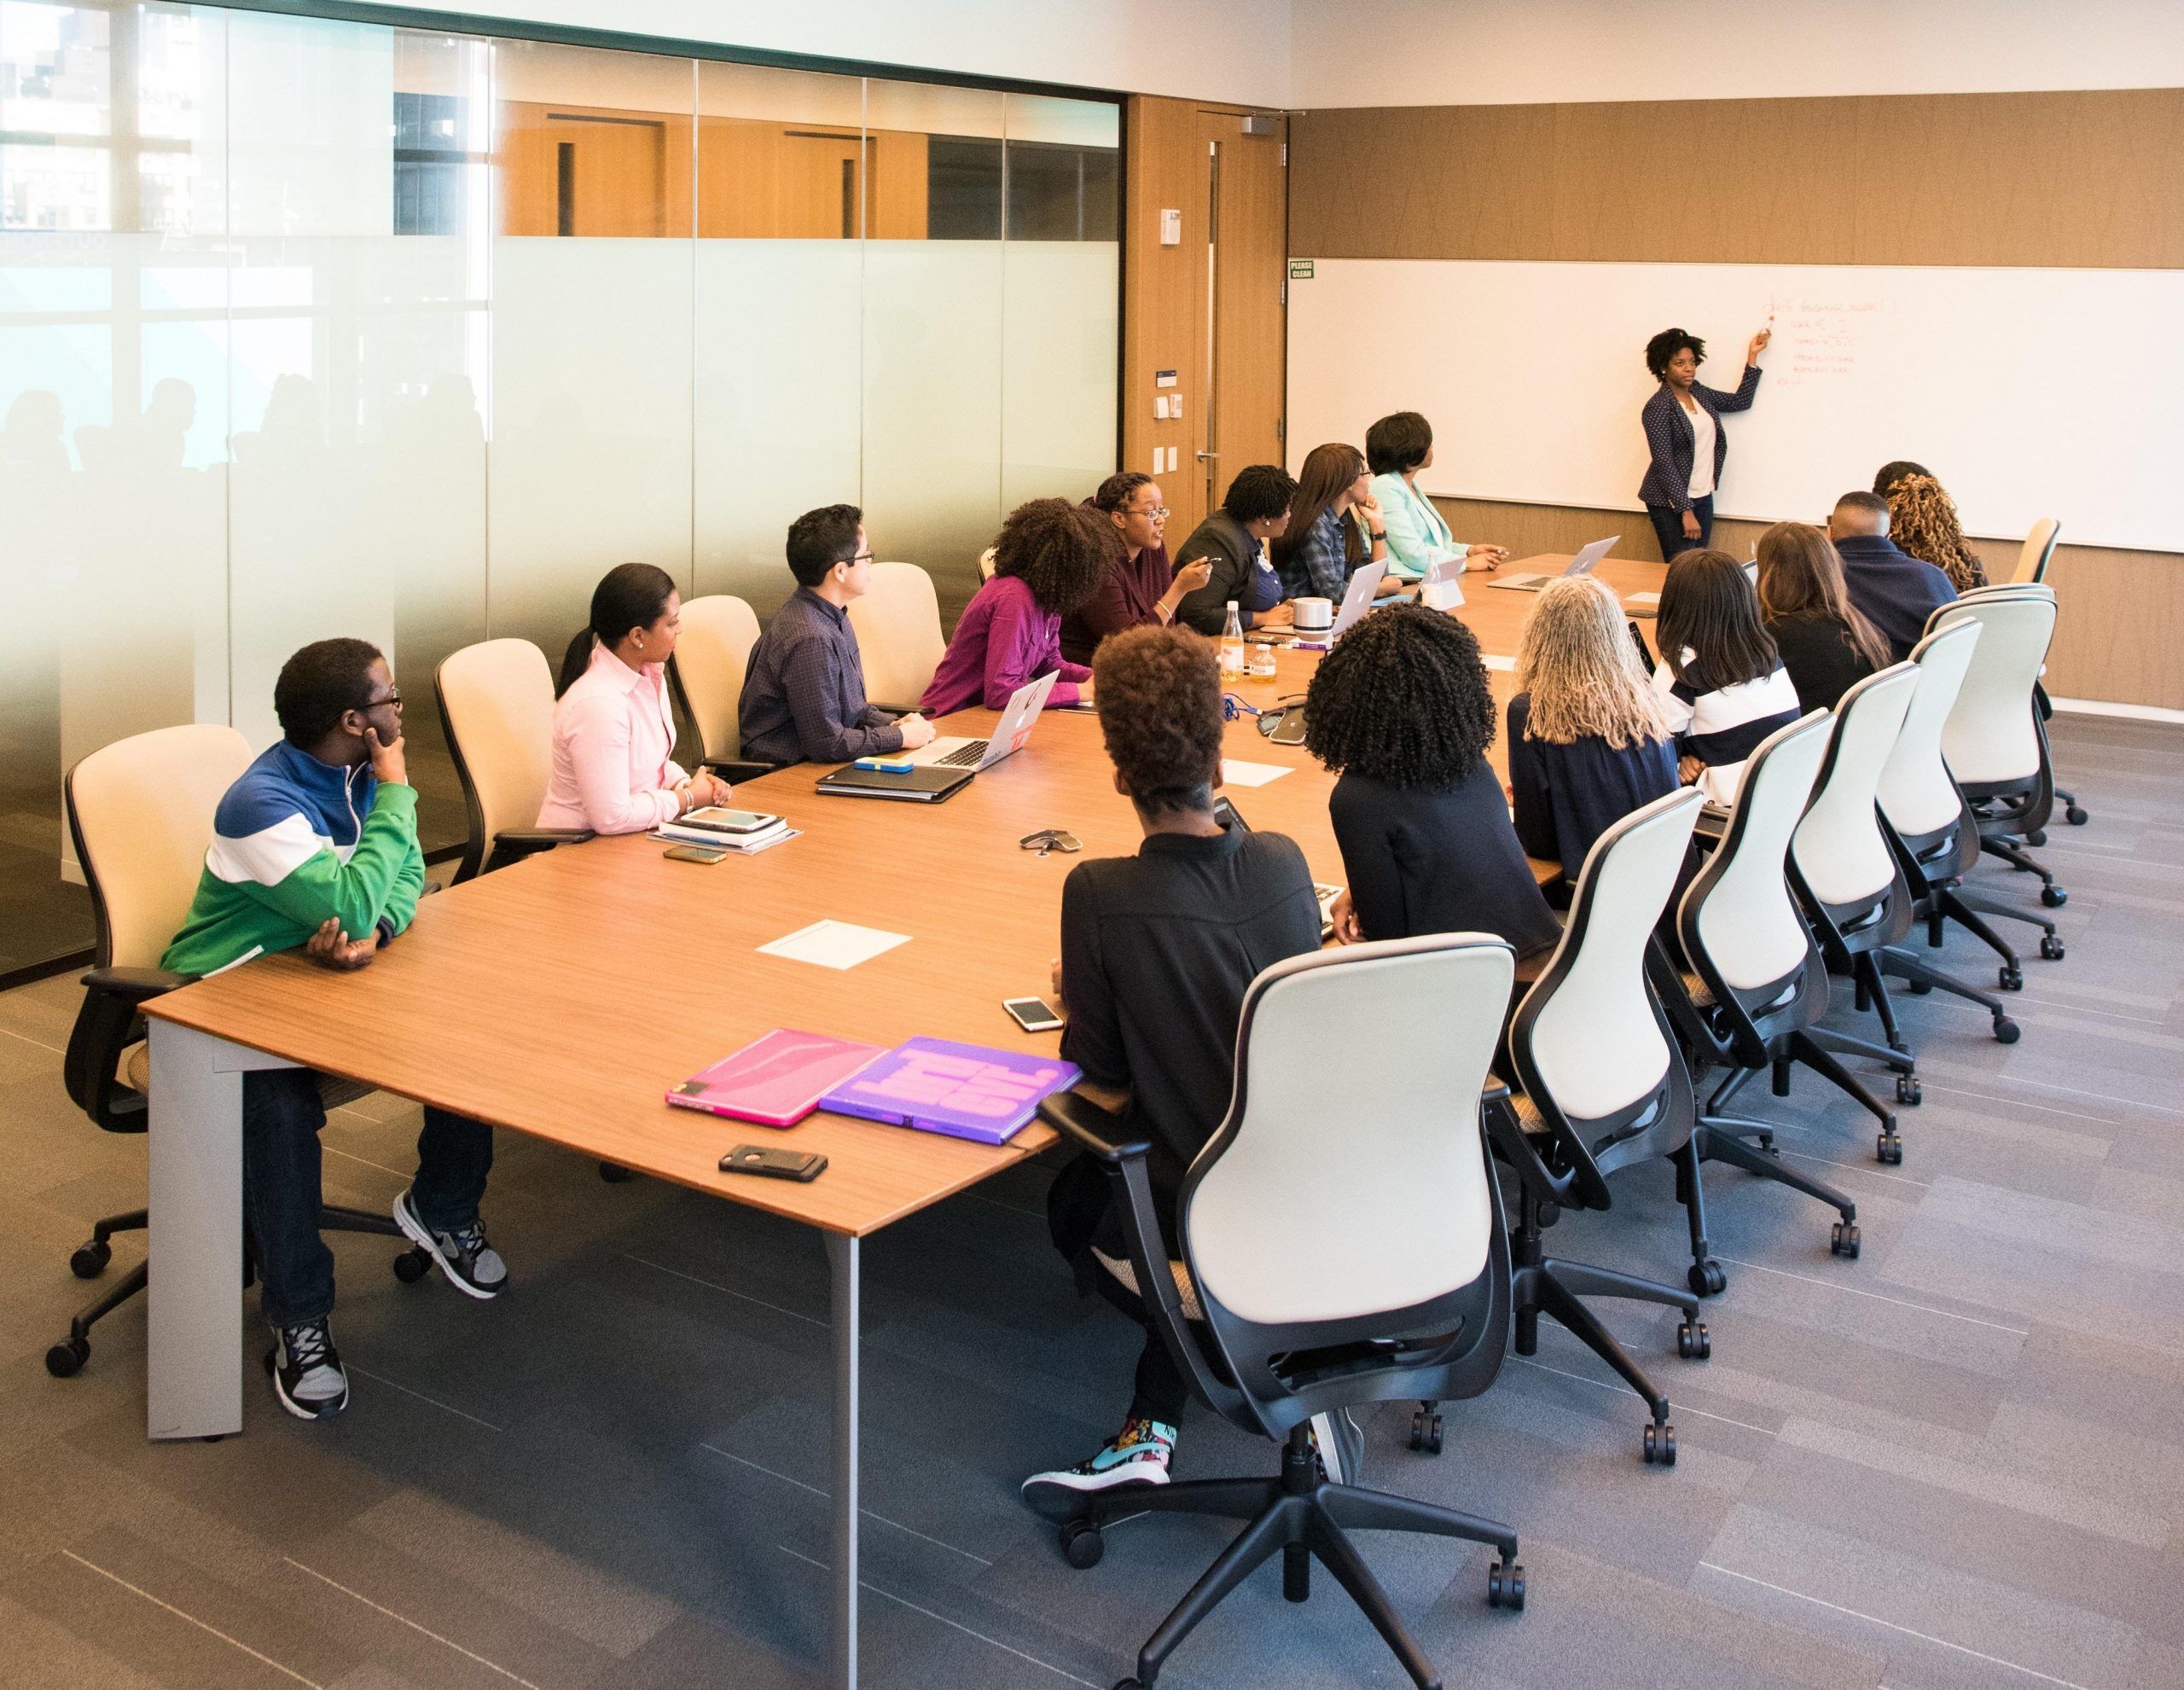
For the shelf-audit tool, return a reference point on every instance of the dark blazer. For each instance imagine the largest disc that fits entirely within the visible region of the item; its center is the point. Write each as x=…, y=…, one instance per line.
x=1896, y=591
x=1823, y=663
x=1670, y=440
x=1235, y=557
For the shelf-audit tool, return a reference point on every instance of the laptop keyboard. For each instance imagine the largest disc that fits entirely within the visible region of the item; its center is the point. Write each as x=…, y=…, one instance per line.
x=963, y=756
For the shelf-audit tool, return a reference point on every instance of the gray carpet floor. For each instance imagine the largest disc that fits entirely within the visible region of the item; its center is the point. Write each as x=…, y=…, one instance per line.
x=1957, y=1461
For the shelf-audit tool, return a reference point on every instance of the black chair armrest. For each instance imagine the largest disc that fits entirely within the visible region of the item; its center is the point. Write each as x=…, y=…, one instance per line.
x=108, y=1025
x=898, y=709
x=733, y=769
x=1493, y=1090
x=1092, y=1129
x=514, y=843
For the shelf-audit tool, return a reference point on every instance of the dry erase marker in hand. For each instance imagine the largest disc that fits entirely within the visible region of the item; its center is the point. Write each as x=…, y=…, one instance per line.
x=884, y=766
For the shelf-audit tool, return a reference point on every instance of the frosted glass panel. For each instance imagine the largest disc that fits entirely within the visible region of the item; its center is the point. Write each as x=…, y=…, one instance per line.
x=1058, y=339
x=591, y=424
x=778, y=395
x=358, y=355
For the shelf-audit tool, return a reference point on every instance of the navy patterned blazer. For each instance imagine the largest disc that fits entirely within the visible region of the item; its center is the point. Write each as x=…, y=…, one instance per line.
x=1670, y=440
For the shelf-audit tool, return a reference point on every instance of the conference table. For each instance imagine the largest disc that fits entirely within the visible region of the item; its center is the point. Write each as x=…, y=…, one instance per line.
x=560, y=998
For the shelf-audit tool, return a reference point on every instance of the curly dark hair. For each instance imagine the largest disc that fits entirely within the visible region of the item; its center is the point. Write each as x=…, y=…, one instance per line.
x=1061, y=551
x=1402, y=699
x=1114, y=493
x=1259, y=491
x=1666, y=344
x=1158, y=694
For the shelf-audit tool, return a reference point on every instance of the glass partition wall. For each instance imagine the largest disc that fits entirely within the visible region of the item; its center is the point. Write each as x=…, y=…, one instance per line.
x=310, y=327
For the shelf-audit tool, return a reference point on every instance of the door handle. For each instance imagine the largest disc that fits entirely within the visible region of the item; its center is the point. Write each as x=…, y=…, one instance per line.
x=1208, y=457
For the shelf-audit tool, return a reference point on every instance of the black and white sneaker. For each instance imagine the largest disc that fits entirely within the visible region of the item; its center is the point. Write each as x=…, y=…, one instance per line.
x=472, y=1265
x=307, y=1373
x=1139, y=1455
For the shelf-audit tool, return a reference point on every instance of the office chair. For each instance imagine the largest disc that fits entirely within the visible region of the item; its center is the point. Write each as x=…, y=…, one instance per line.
x=711, y=654
x=1602, y=1086
x=2038, y=550
x=1343, y=1243
x=986, y=564
x=496, y=705
x=1756, y=986
x=1927, y=812
x=1995, y=741
x=897, y=623
x=140, y=811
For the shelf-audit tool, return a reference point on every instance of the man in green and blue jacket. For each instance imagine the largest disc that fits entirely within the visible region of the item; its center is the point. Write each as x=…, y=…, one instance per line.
x=315, y=846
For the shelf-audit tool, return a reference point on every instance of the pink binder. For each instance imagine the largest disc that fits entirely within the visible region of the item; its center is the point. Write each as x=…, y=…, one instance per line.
x=775, y=1081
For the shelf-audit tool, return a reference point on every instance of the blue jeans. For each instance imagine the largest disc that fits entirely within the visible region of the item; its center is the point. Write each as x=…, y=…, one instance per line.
x=1667, y=526
x=281, y=1115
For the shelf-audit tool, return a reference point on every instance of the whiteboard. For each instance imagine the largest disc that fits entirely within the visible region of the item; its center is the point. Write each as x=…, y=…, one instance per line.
x=2029, y=393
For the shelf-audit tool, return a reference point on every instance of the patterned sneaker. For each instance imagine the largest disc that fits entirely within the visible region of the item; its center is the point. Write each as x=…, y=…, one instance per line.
x=1341, y=1447
x=307, y=1373
x=1138, y=1455
x=471, y=1264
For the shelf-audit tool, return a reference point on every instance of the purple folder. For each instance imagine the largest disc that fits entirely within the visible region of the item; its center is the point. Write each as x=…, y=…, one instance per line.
x=963, y=1090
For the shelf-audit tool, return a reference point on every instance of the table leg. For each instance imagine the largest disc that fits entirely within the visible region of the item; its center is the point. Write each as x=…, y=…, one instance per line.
x=194, y=1346
x=842, y=1258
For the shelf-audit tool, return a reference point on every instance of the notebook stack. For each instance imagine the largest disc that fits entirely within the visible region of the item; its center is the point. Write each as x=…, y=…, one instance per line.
x=694, y=830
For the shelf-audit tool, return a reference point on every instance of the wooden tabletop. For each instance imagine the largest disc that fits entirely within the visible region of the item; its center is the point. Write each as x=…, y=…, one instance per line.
x=562, y=996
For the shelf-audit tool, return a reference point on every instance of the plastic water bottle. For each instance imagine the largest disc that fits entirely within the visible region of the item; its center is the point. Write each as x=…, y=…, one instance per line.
x=1232, y=642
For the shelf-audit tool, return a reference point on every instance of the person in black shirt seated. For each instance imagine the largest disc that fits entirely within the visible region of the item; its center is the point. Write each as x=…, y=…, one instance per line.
x=1894, y=590
x=1588, y=744
x=1825, y=641
x=1401, y=709
x=1234, y=540
x=1157, y=951
x=804, y=686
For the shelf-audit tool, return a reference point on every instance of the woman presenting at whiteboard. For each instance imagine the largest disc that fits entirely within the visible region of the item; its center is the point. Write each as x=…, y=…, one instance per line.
x=1683, y=434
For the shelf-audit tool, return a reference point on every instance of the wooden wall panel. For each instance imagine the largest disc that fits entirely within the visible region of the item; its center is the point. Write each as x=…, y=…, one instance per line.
x=897, y=209
x=1164, y=289
x=632, y=171
x=2072, y=179
x=2119, y=614
x=1251, y=350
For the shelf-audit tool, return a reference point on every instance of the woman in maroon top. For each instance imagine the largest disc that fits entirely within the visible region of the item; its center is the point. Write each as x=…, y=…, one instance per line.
x=1049, y=560
x=1142, y=587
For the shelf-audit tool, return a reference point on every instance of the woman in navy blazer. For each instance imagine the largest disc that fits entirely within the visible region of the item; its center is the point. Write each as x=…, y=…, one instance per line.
x=1683, y=434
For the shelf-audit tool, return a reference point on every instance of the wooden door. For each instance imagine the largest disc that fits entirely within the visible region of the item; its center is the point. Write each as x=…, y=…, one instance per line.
x=1241, y=335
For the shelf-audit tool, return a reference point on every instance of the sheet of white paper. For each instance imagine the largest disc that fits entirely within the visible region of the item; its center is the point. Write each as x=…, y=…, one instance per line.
x=834, y=944
x=1501, y=665
x=1641, y=598
x=1237, y=773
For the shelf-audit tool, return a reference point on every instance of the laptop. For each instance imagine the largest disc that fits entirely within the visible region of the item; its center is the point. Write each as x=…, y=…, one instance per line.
x=1357, y=599
x=940, y=770
x=1580, y=565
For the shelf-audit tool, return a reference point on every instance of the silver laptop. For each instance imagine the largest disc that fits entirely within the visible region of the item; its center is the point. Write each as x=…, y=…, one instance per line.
x=1357, y=599
x=1580, y=565
x=959, y=750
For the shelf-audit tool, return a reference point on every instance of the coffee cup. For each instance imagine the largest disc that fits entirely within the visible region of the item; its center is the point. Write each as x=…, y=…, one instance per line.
x=1312, y=616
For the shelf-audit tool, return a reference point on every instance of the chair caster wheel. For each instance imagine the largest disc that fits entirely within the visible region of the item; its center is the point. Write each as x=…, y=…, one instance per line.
x=1081, y=1545
x=2006, y=1030
x=1706, y=1278
x=1919, y=988
x=1692, y=1342
x=411, y=1266
x=1842, y=1240
x=1908, y=1089
x=2038, y=836
x=2053, y=896
x=614, y=1174
x=1660, y=1444
x=91, y=1259
x=1424, y=1432
x=2051, y=949
x=2011, y=980
x=1128, y=1684
x=1505, y=1586
x=66, y=1360
x=1889, y=1147
x=2075, y=816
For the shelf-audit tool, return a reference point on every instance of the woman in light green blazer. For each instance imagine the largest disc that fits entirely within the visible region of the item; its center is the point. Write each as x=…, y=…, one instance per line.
x=1396, y=449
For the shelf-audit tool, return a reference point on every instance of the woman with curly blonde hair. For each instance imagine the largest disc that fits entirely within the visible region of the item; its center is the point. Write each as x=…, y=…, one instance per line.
x=1587, y=743
x=1922, y=521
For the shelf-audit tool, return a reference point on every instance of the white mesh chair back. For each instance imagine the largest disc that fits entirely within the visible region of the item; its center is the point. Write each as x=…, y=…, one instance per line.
x=986, y=564
x=1916, y=793
x=711, y=654
x=2039, y=547
x=1351, y=1176
x=897, y=623
x=496, y=705
x=1748, y=921
x=1595, y=1037
x=1838, y=847
x=142, y=810
x=1992, y=737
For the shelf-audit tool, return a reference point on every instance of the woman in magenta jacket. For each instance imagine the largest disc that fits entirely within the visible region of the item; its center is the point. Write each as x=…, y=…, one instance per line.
x=1050, y=558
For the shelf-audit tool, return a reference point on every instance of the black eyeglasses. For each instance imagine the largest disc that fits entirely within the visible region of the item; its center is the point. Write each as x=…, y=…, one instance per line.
x=393, y=697
x=861, y=557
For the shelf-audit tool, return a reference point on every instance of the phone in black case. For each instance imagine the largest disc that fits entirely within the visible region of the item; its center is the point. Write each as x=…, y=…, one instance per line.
x=801, y=1165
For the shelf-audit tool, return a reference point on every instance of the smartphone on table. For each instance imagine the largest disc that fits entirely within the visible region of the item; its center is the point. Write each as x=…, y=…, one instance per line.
x=1031, y=1013
x=803, y=1166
